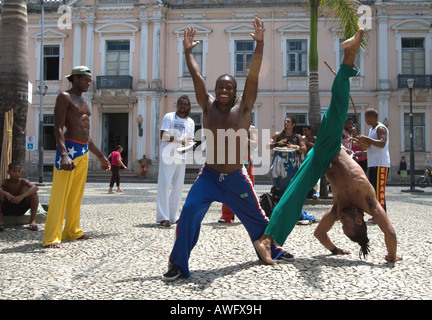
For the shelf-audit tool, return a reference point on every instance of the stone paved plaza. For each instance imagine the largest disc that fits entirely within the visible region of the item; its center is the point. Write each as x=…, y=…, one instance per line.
x=129, y=253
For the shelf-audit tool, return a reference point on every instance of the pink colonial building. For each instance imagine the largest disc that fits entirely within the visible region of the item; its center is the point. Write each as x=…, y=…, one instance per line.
x=135, y=52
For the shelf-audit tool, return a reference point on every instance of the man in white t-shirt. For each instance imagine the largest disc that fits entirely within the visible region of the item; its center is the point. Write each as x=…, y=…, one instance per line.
x=378, y=156
x=177, y=130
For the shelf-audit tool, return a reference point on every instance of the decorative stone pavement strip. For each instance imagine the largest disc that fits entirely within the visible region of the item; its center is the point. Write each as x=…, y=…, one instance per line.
x=129, y=253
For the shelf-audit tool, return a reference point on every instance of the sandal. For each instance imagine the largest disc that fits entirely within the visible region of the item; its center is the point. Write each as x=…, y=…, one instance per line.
x=165, y=223
x=33, y=228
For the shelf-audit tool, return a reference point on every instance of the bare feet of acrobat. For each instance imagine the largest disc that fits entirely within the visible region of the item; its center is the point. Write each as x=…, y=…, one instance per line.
x=263, y=247
x=351, y=47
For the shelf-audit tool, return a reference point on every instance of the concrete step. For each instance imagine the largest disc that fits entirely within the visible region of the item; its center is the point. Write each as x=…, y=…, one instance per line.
x=25, y=218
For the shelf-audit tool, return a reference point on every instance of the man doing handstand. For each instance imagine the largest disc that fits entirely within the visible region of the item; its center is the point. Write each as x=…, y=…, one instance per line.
x=352, y=192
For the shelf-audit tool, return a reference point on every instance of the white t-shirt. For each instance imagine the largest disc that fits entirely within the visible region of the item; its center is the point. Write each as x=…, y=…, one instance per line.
x=378, y=157
x=178, y=128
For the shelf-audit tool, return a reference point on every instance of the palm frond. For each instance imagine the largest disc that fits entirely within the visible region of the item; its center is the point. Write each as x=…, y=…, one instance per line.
x=345, y=16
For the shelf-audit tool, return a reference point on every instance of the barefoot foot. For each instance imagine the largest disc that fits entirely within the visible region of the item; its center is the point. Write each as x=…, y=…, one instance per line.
x=85, y=237
x=351, y=47
x=53, y=245
x=263, y=247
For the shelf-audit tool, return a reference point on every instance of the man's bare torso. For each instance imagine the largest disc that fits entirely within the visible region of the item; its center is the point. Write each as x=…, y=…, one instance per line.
x=235, y=120
x=77, y=119
x=350, y=186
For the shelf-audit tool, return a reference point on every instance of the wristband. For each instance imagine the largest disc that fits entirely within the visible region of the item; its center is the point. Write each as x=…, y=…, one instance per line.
x=297, y=147
x=336, y=250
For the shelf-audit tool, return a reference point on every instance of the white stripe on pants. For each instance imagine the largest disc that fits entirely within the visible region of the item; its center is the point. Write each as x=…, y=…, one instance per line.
x=170, y=176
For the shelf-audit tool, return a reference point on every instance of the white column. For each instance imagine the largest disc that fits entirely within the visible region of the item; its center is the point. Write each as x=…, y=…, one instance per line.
x=77, y=41
x=383, y=106
x=144, y=48
x=156, y=54
x=383, y=79
x=142, y=110
x=89, y=56
x=154, y=126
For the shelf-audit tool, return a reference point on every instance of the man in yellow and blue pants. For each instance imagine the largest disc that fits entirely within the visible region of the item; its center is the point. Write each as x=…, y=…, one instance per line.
x=72, y=112
x=66, y=196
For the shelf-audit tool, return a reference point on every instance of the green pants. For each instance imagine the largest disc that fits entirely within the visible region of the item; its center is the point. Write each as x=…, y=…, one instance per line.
x=328, y=142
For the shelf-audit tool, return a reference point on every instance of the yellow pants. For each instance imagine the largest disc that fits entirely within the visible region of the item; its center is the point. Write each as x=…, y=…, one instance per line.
x=66, y=197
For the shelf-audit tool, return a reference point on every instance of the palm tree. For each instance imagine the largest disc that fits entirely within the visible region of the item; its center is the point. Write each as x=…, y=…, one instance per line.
x=344, y=13
x=14, y=72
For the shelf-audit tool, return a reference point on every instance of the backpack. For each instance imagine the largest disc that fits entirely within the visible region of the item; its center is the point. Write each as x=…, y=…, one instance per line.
x=269, y=200
x=267, y=203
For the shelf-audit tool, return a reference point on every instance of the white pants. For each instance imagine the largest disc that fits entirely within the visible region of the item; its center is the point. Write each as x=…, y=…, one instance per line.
x=168, y=204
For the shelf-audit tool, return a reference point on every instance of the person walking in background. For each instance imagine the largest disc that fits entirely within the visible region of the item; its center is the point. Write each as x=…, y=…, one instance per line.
x=177, y=131
x=116, y=163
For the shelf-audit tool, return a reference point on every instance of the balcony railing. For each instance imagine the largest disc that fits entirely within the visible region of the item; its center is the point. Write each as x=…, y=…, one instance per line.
x=230, y=3
x=421, y=81
x=118, y=1
x=113, y=82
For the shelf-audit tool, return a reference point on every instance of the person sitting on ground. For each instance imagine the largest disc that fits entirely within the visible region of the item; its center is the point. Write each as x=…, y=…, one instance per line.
x=17, y=195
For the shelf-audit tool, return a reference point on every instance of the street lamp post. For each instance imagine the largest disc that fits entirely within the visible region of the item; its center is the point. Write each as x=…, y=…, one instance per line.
x=42, y=88
x=410, y=83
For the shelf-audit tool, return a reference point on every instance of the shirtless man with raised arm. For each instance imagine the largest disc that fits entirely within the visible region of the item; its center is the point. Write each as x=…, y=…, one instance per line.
x=352, y=192
x=222, y=179
x=71, y=112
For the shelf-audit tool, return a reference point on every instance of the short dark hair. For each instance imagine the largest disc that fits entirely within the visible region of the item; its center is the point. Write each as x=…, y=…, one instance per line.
x=185, y=98
x=14, y=164
x=230, y=77
x=372, y=113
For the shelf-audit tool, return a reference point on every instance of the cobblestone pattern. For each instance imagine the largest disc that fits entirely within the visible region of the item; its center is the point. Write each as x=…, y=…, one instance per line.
x=129, y=253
